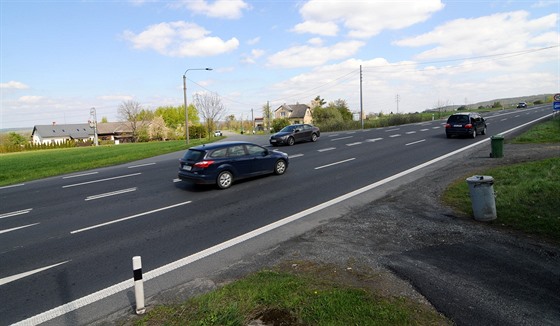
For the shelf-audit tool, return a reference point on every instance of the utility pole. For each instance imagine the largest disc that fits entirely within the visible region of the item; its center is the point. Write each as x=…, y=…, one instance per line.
x=93, y=124
x=398, y=99
x=361, y=102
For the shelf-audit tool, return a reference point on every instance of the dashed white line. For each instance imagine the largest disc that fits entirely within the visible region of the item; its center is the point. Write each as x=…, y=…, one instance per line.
x=395, y=135
x=354, y=144
x=373, y=140
x=395, y=129
x=295, y=155
x=129, y=217
x=416, y=142
x=9, y=279
x=340, y=162
x=21, y=212
x=424, y=129
x=410, y=132
x=113, y=193
x=341, y=138
x=140, y=165
x=17, y=228
x=101, y=180
x=326, y=149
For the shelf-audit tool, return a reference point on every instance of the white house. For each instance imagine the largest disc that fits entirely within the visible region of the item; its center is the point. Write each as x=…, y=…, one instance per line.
x=47, y=134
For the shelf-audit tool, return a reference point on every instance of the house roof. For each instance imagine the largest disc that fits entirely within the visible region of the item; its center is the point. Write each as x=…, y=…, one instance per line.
x=74, y=131
x=296, y=110
x=113, y=128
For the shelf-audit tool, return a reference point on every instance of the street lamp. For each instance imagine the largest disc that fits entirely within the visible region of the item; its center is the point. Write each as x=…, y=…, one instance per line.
x=185, y=97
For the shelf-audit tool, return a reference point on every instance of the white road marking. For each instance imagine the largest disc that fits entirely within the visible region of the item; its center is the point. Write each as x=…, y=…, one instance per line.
x=416, y=142
x=101, y=180
x=424, y=129
x=410, y=132
x=129, y=217
x=78, y=175
x=340, y=162
x=12, y=186
x=341, y=138
x=295, y=155
x=9, y=279
x=21, y=212
x=436, y=127
x=17, y=228
x=395, y=135
x=326, y=149
x=373, y=140
x=140, y=165
x=395, y=129
x=176, y=180
x=354, y=144
x=113, y=193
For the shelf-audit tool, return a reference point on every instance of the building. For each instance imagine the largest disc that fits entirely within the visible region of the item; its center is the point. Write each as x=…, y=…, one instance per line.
x=51, y=134
x=295, y=113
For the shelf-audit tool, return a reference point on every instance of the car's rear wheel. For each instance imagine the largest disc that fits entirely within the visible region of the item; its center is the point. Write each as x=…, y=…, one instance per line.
x=473, y=133
x=280, y=167
x=483, y=132
x=224, y=180
x=313, y=137
x=291, y=141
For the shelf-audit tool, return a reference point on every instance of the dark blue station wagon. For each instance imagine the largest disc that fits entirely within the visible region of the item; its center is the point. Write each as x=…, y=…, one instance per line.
x=223, y=162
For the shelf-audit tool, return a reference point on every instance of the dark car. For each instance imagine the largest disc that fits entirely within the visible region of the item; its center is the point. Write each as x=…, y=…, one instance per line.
x=292, y=134
x=465, y=124
x=521, y=105
x=224, y=162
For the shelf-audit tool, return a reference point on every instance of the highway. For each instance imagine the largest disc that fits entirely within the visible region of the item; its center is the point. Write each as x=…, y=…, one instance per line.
x=67, y=237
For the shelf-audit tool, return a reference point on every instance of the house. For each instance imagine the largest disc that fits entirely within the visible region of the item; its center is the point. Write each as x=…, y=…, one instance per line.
x=48, y=134
x=296, y=113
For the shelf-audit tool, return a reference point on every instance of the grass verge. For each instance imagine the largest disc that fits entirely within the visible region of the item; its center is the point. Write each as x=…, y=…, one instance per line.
x=26, y=166
x=284, y=298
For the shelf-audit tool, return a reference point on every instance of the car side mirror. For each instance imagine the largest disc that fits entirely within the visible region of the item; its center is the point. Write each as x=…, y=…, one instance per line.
x=297, y=130
x=265, y=153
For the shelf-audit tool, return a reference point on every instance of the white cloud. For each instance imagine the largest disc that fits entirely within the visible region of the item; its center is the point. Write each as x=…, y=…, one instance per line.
x=252, y=58
x=311, y=55
x=364, y=19
x=254, y=41
x=229, y=9
x=180, y=39
x=13, y=85
x=498, y=33
x=30, y=99
x=116, y=98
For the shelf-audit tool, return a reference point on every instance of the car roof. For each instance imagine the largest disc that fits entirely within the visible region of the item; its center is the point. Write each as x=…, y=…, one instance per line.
x=212, y=146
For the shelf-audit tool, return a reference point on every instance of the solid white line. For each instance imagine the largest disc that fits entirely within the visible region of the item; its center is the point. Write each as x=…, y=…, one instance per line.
x=295, y=155
x=113, y=193
x=101, y=180
x=23, y=211
x=324, y=166
x=416, y=142
x=79, y=175
x=9, y=279
x=326, y=149
x=125, y=285
x=140, y=165
x=129, y=217
x=19, y=227
x=12, y=186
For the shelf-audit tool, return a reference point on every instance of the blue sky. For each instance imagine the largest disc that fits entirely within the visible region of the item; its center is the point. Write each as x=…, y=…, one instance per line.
x=60, y=58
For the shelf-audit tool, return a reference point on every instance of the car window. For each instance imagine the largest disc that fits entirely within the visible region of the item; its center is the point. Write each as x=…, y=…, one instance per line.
x=458, y=119
x=236, y=150
x=219, y=153
x=193, y=155
x=255, y=150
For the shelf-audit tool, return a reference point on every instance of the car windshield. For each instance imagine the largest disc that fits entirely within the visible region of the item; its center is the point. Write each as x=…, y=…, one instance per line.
x=289, y=128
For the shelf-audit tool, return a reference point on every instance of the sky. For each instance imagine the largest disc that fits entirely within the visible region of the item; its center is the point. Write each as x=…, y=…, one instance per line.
x=61, y=58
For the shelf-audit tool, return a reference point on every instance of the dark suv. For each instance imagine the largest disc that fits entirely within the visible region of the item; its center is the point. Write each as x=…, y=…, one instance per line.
x=465, y=124
x=223, y=162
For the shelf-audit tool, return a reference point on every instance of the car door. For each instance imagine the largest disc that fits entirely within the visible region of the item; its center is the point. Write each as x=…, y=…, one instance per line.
x=239, y=160
x=302, y=133
x=261, y=160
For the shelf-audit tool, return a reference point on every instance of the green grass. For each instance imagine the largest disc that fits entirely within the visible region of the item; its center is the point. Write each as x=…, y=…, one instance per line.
x=26, y=166
x=293, y=299
x=526, y=194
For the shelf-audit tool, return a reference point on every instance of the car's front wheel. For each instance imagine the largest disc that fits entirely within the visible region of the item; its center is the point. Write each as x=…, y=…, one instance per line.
x=313, y=137
x=280, y=167
x=224, y=180
x=291, y=141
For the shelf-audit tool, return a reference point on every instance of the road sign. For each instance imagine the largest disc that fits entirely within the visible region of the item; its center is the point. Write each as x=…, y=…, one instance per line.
x=556, y=106
x=557, y=97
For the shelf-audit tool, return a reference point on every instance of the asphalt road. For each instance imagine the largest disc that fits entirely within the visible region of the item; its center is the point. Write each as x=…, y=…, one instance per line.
x=67, y=242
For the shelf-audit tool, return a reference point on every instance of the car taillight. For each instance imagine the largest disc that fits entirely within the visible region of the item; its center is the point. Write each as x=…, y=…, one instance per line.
x=203, y=164
x=447, y=125
x=468, y=126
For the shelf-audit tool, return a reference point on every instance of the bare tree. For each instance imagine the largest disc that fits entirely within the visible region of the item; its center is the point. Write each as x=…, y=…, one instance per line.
x=210, y=107
x=134, y=115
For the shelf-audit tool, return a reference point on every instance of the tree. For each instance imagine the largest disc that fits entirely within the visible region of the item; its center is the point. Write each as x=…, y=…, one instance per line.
x=278, y=124
x=132, y=113
x=341, y=106
x=210, y=107
x=318, y=102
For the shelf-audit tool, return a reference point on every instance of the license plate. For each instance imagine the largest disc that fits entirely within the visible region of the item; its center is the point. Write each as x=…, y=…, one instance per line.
x=457, y=126
x=187, y=167
x=273, y=140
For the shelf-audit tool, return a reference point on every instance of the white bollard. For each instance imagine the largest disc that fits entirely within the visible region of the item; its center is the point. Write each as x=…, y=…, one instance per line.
x=138, y=284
